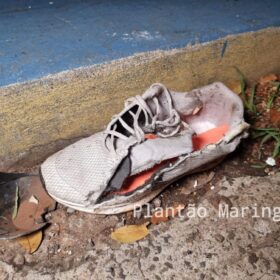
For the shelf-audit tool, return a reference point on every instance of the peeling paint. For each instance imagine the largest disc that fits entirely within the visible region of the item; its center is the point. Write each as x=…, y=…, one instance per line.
x=141, y=35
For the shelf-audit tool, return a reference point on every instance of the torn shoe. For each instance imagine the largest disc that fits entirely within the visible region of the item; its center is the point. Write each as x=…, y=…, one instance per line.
x=158, y=137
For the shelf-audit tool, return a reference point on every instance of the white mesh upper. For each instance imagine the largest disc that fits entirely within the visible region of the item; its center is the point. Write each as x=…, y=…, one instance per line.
x=81, y=170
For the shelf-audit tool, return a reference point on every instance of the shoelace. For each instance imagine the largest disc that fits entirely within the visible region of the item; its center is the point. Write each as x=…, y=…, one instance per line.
x=173, y=121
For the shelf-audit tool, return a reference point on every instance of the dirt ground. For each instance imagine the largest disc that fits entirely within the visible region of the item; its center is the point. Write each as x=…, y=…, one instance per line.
x=77, y=245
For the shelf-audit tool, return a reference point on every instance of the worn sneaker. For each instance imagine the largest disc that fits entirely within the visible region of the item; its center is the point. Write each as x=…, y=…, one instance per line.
x=158, y=138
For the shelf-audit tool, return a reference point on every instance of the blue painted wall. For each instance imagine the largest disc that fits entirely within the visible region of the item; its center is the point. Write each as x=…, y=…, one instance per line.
x=42, y=37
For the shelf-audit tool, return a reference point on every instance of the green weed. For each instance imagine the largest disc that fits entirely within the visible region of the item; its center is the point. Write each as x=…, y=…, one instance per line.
x=268, y=134
x=248, y=100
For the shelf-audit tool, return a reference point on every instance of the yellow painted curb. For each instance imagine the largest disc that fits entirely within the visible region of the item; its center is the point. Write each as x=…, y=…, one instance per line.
x=40, y=117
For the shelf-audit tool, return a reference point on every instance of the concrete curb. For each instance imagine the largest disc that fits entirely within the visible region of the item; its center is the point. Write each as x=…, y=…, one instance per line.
x=42, y=116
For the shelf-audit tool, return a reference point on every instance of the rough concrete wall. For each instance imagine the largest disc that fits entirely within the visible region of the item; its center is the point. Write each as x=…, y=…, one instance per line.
x=42, y=116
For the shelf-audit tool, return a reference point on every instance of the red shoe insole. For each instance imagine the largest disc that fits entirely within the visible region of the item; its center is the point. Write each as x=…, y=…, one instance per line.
x=210, y=136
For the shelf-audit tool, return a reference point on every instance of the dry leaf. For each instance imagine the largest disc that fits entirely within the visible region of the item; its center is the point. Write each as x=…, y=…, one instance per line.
x=275, y=117
x=267, y=79
x=163, y=215
x=31, y=242
x=130, y=234
x=235, y=86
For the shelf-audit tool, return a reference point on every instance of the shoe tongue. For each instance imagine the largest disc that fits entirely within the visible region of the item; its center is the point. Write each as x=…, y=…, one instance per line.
x=163, y=98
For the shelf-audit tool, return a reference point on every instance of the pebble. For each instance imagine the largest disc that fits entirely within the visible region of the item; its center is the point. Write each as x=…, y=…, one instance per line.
x=28, y=258
x=266, y=170
x=157, y=202
x=270, y=161
x=19, y=260
x=54, y=249
x=48, y=216
x=262, y=226
x=51, y=234
x=219, y=237
x=91, y=242
x=8, y=256
x=70, y=210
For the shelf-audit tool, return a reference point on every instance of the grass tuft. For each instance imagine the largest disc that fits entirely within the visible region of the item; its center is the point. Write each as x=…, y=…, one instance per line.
x=269, y=134
x=249, y=101
x=273, y=96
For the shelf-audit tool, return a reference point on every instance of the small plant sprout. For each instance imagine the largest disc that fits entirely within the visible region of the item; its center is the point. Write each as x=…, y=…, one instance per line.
x=268, y=134
x=273, y=95
x=249, y=101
